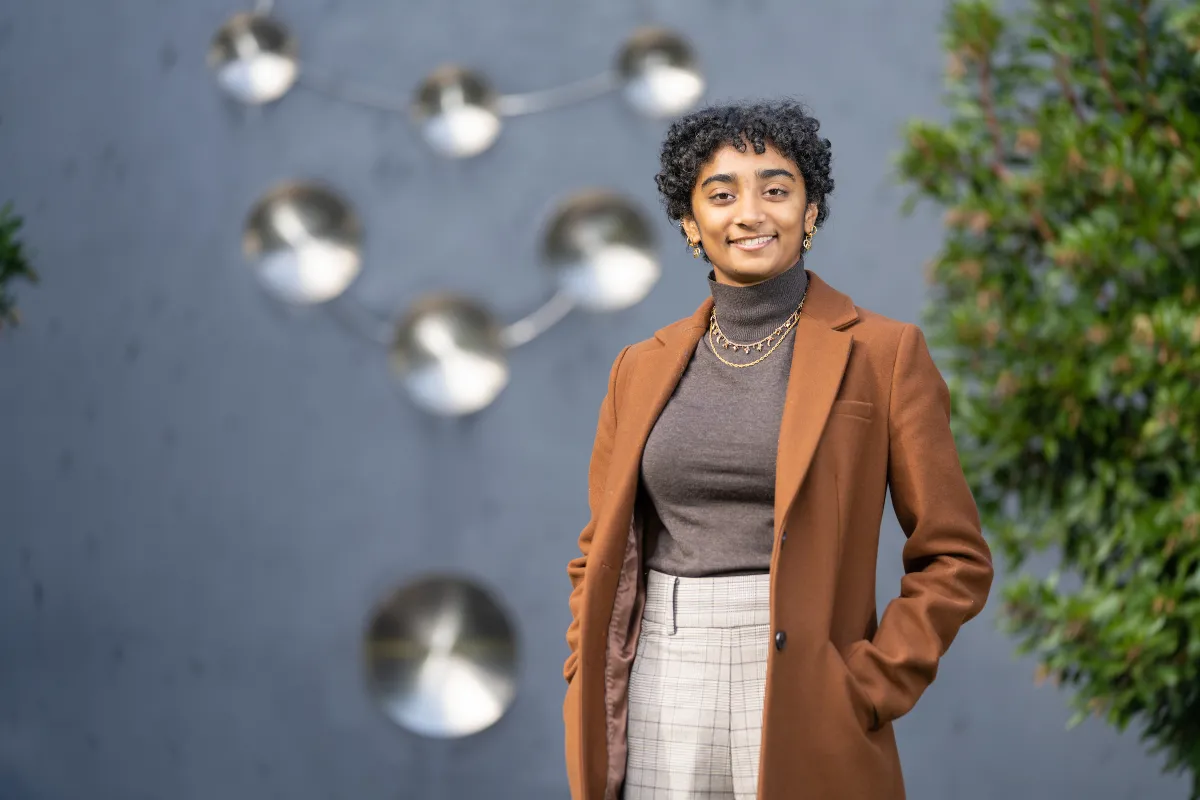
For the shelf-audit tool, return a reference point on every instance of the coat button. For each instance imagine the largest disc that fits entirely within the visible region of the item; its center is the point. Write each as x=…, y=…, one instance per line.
x=780, y=640
x=783, y=538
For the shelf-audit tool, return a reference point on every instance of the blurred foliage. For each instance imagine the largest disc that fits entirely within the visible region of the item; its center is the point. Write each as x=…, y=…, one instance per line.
x=1066, y=310
x=13, y=264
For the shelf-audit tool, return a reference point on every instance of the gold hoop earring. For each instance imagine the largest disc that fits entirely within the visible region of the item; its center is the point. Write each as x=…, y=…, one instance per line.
x=694, y=245
x=808, y=239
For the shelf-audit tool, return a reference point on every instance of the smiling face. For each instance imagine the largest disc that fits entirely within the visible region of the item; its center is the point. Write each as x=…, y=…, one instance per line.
x=750, y=212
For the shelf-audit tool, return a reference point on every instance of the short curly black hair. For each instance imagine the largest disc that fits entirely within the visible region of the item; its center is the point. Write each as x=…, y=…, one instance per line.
x=786, y=124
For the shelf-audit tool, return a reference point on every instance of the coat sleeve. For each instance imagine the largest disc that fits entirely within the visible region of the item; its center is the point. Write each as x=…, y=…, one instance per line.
x=597, y=470
x=947, y=563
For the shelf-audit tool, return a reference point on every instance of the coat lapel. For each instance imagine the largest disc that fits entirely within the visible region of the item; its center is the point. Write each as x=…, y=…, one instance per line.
x=819, y=358
x=656, y=374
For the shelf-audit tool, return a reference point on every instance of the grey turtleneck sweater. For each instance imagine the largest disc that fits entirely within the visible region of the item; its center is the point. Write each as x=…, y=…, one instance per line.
x=708, y=468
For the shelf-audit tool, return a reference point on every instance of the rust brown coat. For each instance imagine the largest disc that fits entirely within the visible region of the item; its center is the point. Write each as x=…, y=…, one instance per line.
x=866, y=410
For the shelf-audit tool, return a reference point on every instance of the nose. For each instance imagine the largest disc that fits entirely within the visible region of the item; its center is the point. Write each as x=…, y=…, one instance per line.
x=749, y=212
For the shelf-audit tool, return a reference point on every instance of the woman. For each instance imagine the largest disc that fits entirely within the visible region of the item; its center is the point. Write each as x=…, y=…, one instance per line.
x=725, y=642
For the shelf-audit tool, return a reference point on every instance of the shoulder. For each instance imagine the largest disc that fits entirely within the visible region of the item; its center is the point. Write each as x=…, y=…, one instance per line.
x=882, y=340
x=882, y=331
x=632, y=355
x=895, y=351
x=889, y=335
x=671, y=333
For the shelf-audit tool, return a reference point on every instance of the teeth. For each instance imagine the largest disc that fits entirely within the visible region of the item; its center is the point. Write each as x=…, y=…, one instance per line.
x=757, y=240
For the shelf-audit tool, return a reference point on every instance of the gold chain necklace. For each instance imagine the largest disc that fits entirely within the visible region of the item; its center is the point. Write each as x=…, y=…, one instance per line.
x=727, y=343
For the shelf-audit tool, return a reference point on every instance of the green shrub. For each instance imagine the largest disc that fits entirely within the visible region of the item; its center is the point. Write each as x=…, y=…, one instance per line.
x=1066, y=313
x=13, y=264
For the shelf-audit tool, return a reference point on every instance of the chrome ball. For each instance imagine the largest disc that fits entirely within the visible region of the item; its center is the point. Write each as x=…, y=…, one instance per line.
x=441, y=657
x=254, y=58
x=304, y=242
x=600, y=249
x=450, y=356
x=659, y=73
x=456, y=110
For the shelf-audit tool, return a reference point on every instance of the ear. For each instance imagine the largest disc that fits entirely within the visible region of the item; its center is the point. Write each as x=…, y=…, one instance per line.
x=810, y=217
x=691, y=228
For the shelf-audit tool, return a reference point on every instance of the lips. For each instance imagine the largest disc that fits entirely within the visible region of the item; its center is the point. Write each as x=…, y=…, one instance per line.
x=752, y=242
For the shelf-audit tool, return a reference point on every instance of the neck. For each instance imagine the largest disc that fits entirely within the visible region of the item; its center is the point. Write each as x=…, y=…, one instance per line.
x=748, y=313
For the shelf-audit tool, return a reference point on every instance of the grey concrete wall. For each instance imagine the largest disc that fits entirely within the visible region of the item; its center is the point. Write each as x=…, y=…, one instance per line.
x=200, y=496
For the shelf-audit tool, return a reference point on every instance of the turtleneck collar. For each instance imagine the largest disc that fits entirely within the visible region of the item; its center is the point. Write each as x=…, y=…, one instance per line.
x=748, y=313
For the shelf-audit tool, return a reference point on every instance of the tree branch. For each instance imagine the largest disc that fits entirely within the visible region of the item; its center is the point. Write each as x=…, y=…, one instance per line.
x=1060, y=72
x=1043, y=227
x=1143, y=41
x=988, y=101
x=1101, y=60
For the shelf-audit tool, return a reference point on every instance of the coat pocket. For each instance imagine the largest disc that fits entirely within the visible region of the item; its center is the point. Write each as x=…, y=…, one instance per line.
x=860, y=704
x=859, y=409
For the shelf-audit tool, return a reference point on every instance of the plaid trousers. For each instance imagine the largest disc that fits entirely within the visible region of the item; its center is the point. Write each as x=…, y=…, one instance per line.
x=696, y=688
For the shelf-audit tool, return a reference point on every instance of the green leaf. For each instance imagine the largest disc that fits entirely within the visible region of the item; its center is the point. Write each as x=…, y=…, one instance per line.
x=14, y=263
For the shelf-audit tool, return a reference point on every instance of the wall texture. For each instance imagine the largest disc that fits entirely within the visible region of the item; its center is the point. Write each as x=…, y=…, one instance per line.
x=200, y=495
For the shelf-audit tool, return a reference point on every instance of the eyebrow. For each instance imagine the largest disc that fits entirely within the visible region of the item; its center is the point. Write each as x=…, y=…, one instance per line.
x=763, y=174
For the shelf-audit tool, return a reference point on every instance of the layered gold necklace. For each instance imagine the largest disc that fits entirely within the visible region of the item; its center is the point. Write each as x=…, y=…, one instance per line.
x=770, y=341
